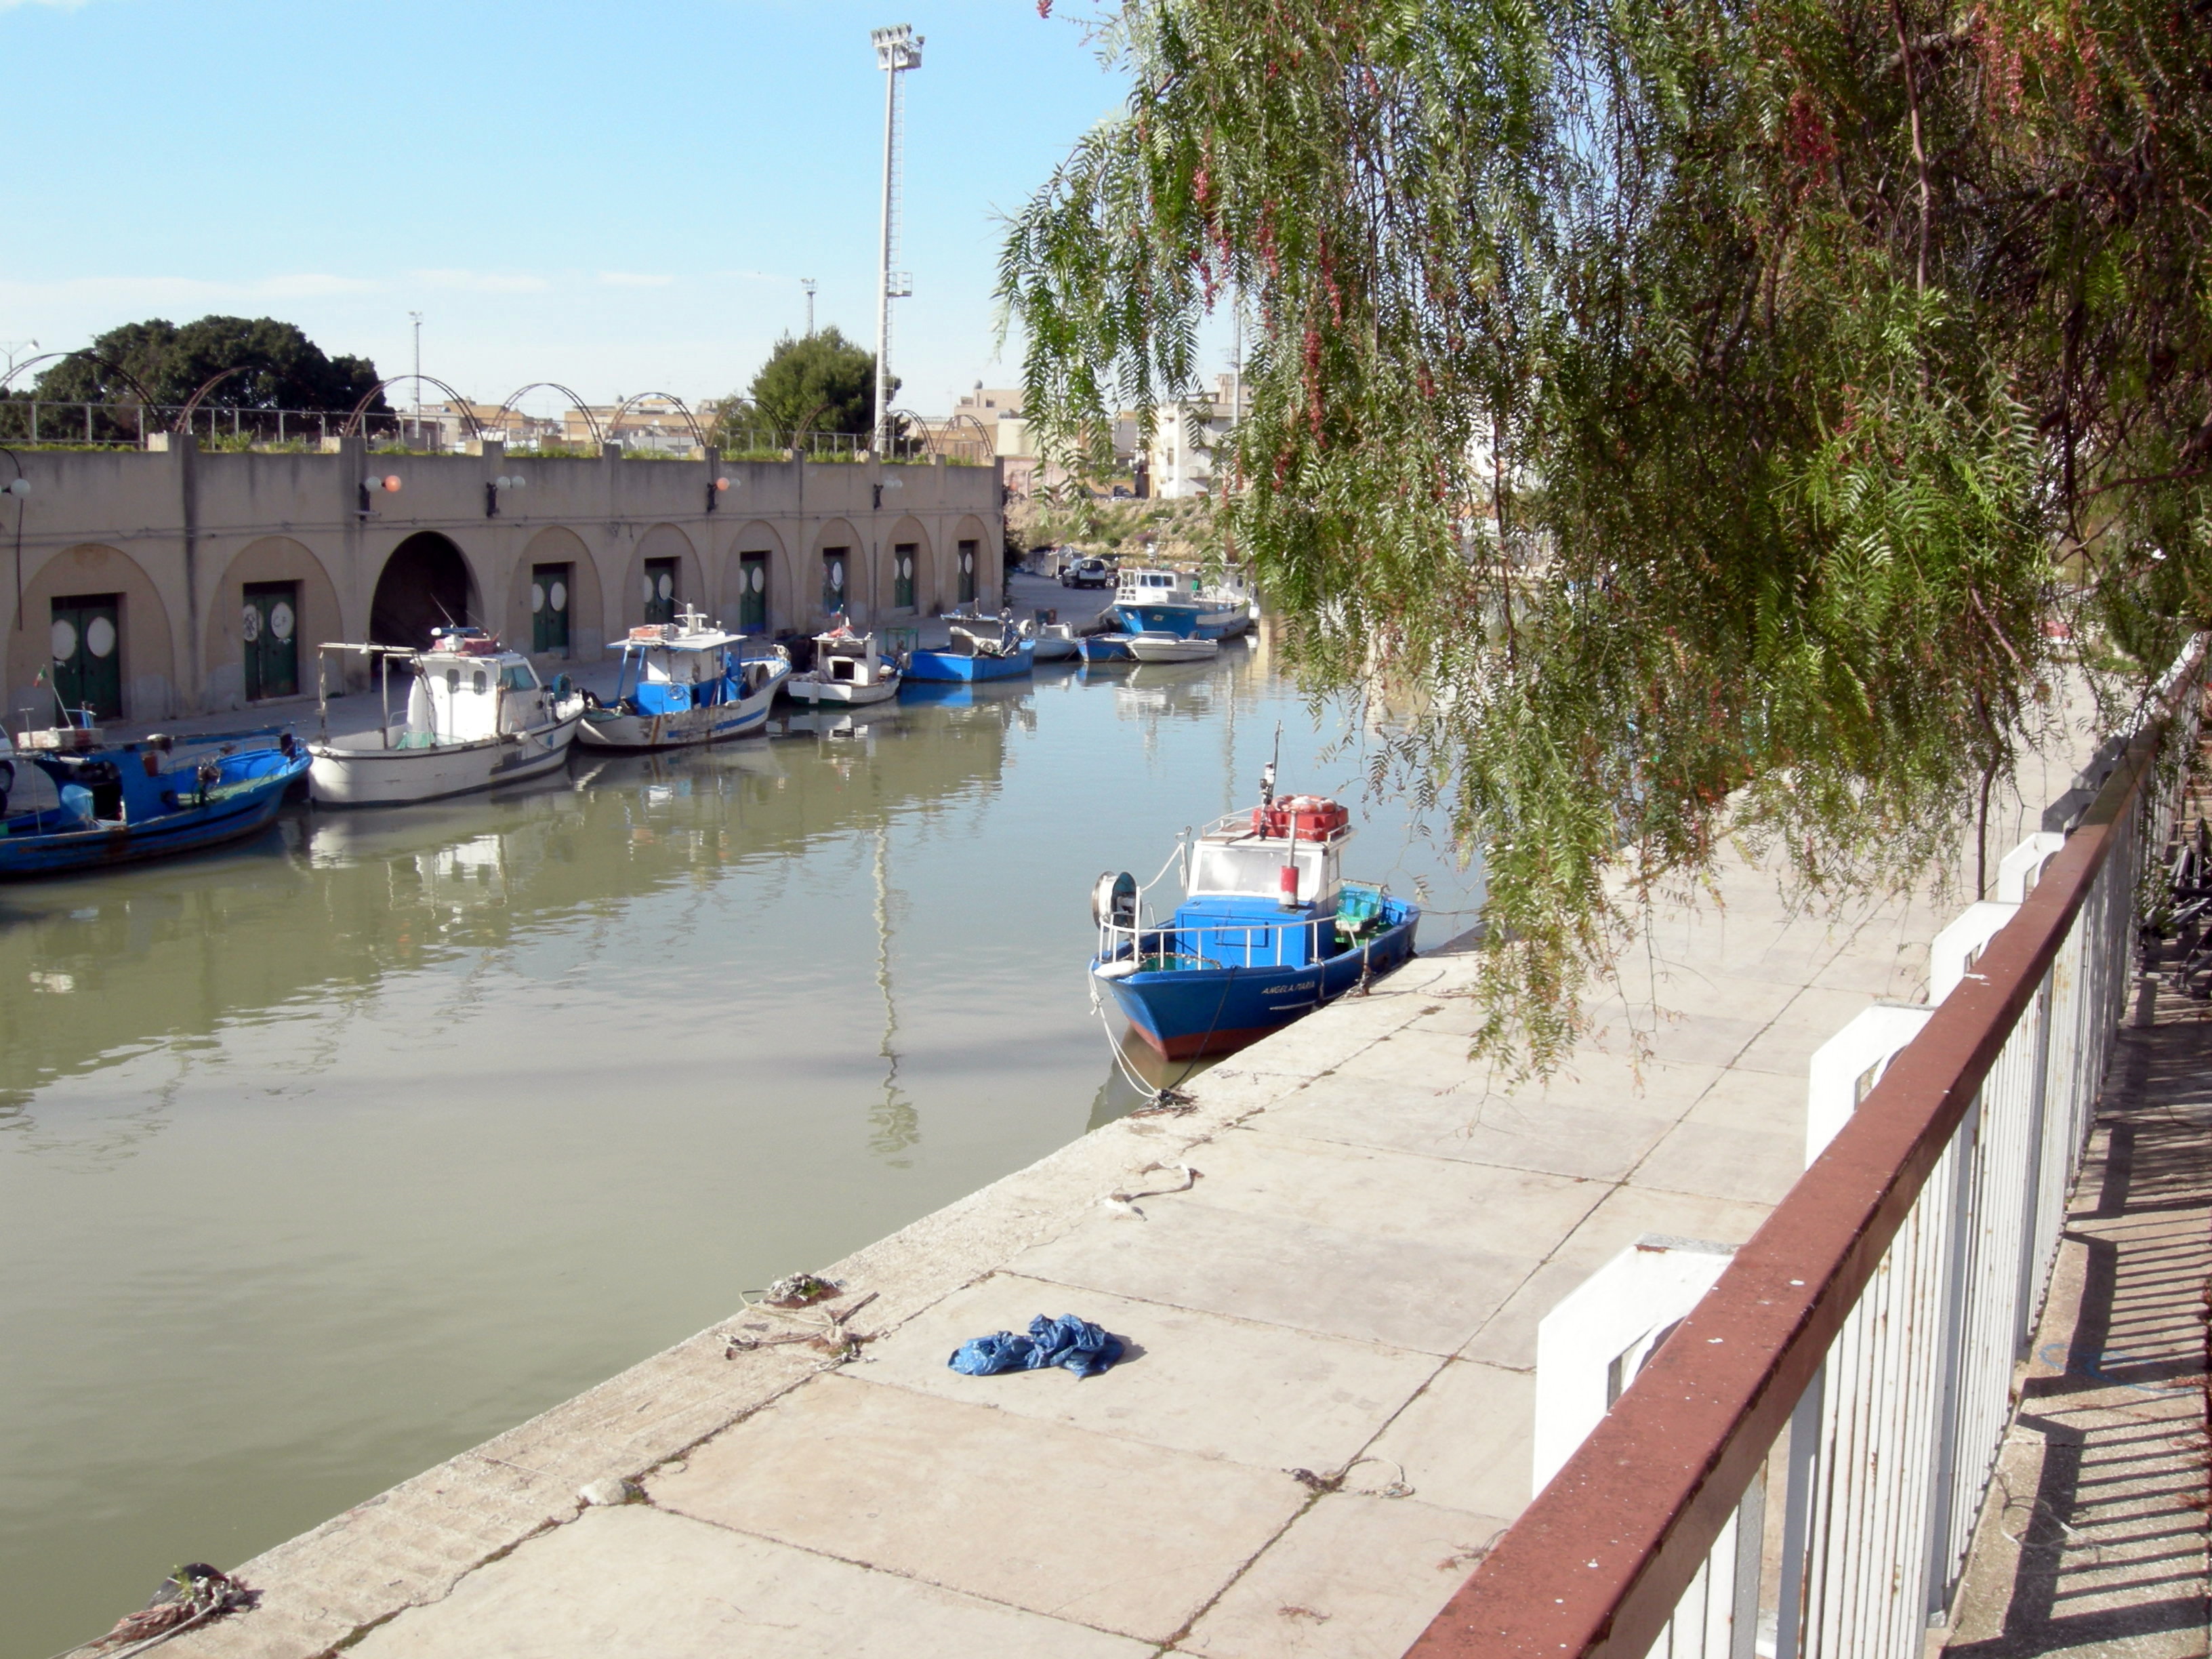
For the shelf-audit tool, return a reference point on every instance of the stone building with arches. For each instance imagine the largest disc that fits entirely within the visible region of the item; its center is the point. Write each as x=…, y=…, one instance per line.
x=152, y=585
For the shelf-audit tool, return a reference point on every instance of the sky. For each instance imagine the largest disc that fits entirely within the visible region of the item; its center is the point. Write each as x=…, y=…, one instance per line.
x=621, y=197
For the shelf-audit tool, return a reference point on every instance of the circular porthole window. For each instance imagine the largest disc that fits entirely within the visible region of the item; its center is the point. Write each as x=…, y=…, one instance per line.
x=99, y=636
x=282, y=622
x=667, y=585
x=537, y=598
x=559, y=596
x=64, y=640
x=759, y=579
x=249, y=624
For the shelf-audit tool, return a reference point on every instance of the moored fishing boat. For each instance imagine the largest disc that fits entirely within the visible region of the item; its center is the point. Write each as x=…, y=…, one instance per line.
x=156, y=798
x=1151, y=601
x=1267, y=931
x=1104, y=648
x=1056, y=642
x=848, y=670
x=1172, y=648
x=977, y=651
x=683, y=683
x=476, y=716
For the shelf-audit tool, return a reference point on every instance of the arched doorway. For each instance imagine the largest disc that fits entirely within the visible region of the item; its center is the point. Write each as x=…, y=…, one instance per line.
x=425, y=585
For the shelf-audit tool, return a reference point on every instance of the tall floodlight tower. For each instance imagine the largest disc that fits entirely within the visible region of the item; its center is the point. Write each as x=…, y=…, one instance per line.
x=897, y=50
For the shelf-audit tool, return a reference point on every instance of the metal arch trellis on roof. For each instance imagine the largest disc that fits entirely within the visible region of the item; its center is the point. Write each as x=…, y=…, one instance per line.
x=352, y=425
x=576, y=401
x=614, y=421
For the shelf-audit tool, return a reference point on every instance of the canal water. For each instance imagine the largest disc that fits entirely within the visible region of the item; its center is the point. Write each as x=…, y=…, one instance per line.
x=325, y=1158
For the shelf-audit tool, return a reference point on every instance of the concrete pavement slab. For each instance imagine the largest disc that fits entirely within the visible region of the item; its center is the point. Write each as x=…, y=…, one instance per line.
x=632, y=1580
x=1356, y=1578
x=1094, y=1528
x=1560, y=1132
x=1257, y=1393
x=1465, y=1442
x=1725, y=1162
x=1412, y=1293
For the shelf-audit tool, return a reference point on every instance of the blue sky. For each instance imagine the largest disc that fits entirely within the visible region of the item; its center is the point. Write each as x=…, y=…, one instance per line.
x=619, y=197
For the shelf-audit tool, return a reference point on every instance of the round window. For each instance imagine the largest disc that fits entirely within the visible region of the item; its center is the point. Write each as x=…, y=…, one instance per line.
x=837, y=573
x=967, y=560
x=759, y=579
x=559, y=596
x=99, y=636
x=667, y=584
x=281, y=621
x=645, y=590
x=64, y=637
x=537, y=598
x=249, y=624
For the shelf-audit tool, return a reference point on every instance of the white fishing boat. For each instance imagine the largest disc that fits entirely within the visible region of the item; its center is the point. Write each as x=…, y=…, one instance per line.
x=848, y=670
x=684, y=683
x=1172, y=648
x=1058, y=641
x=476, y=716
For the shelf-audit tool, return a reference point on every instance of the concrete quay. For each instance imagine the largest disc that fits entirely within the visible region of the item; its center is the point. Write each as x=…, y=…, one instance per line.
x=1329, y=1269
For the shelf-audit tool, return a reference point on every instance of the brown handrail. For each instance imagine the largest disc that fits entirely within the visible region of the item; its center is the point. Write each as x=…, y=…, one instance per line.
x=1598, y=1563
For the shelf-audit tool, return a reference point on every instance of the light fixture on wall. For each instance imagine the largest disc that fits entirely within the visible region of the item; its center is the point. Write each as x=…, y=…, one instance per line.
x=388, y=485
x=882, y=484
x=494, y=487
x=715, y=490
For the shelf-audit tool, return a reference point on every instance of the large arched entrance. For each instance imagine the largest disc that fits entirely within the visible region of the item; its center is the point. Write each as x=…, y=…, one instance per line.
x=425, y=585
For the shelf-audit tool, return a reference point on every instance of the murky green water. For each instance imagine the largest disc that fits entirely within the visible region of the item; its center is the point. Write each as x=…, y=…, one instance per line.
x=328, y=1156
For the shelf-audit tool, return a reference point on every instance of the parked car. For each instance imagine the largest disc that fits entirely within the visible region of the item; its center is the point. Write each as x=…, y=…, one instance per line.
x=1088, y=573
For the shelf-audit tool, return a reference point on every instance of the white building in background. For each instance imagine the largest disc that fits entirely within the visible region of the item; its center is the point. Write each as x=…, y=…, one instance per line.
x=1188, y=438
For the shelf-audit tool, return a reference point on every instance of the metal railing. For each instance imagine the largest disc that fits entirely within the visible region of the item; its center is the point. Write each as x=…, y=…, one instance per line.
x=35, y=423
x=1861, y=1348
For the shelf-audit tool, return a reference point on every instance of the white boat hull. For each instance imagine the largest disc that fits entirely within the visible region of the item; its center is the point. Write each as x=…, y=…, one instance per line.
x=1166, y=648
x=807, y=689
x=358, y=771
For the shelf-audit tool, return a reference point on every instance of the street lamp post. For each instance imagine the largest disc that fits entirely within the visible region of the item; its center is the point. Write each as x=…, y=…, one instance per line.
x=898, y=49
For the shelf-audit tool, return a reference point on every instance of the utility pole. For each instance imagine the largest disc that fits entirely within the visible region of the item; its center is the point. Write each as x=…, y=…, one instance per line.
x=897, y=50
x=807, y=285
x=418, y=316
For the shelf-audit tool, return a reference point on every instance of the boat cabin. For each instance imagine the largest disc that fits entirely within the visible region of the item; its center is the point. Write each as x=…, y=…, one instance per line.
x=668, y=667
x=468, y=689
x=1267, y=888
x=1141, y=586
x=844, y=657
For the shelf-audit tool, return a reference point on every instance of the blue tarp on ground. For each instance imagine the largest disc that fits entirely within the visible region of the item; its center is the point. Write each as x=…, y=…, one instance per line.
x=1081, y=1346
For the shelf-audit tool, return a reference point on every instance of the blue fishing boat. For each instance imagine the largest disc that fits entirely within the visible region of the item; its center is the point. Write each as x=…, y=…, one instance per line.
x=155, y=798
x=1268, y=930
x=1106, y=647
x=977, y=651
x=684, y=682
x=1149, y=601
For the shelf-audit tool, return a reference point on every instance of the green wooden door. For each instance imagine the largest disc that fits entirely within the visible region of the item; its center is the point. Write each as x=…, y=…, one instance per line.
x=752, y=593
x=549, y=607
x=966, y=572
x=833, y=579
x=88, y=649
x=659, y=590
x=902, y=576
x=269, y=628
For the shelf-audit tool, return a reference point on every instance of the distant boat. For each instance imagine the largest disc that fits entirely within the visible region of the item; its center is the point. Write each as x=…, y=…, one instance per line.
x=1151, y=601
x=1105, y=648
x=476, y=716
x=1172, y=648
x=848, y=670
x=977, y=651
x=153, y=799
x=1267, y=931
x=682, y=684
x=1057, y=642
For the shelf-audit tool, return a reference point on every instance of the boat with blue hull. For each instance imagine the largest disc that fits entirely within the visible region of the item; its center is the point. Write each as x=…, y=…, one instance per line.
x=1267, y=931
x=1148, y=601
x=977, y=651
x=682, y=684
x=155, y=798
x=1105, y=648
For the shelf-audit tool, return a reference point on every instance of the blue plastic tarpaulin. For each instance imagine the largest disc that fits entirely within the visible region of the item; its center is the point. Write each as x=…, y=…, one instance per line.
x=1085, y=1348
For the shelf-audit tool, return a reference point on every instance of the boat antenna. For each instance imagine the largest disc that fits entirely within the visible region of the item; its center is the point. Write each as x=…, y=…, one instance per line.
x=1268, y=772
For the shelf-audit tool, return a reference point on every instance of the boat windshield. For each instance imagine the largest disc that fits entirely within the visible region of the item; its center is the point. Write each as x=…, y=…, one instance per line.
x=1253, y=868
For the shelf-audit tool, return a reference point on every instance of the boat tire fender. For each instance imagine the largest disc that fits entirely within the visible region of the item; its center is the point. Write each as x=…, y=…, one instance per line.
x=1114, y=900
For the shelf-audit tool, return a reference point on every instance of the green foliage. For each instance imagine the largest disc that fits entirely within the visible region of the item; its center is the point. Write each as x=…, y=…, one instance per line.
x=282, y=367
x=1694, y=415
x=821, y=383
